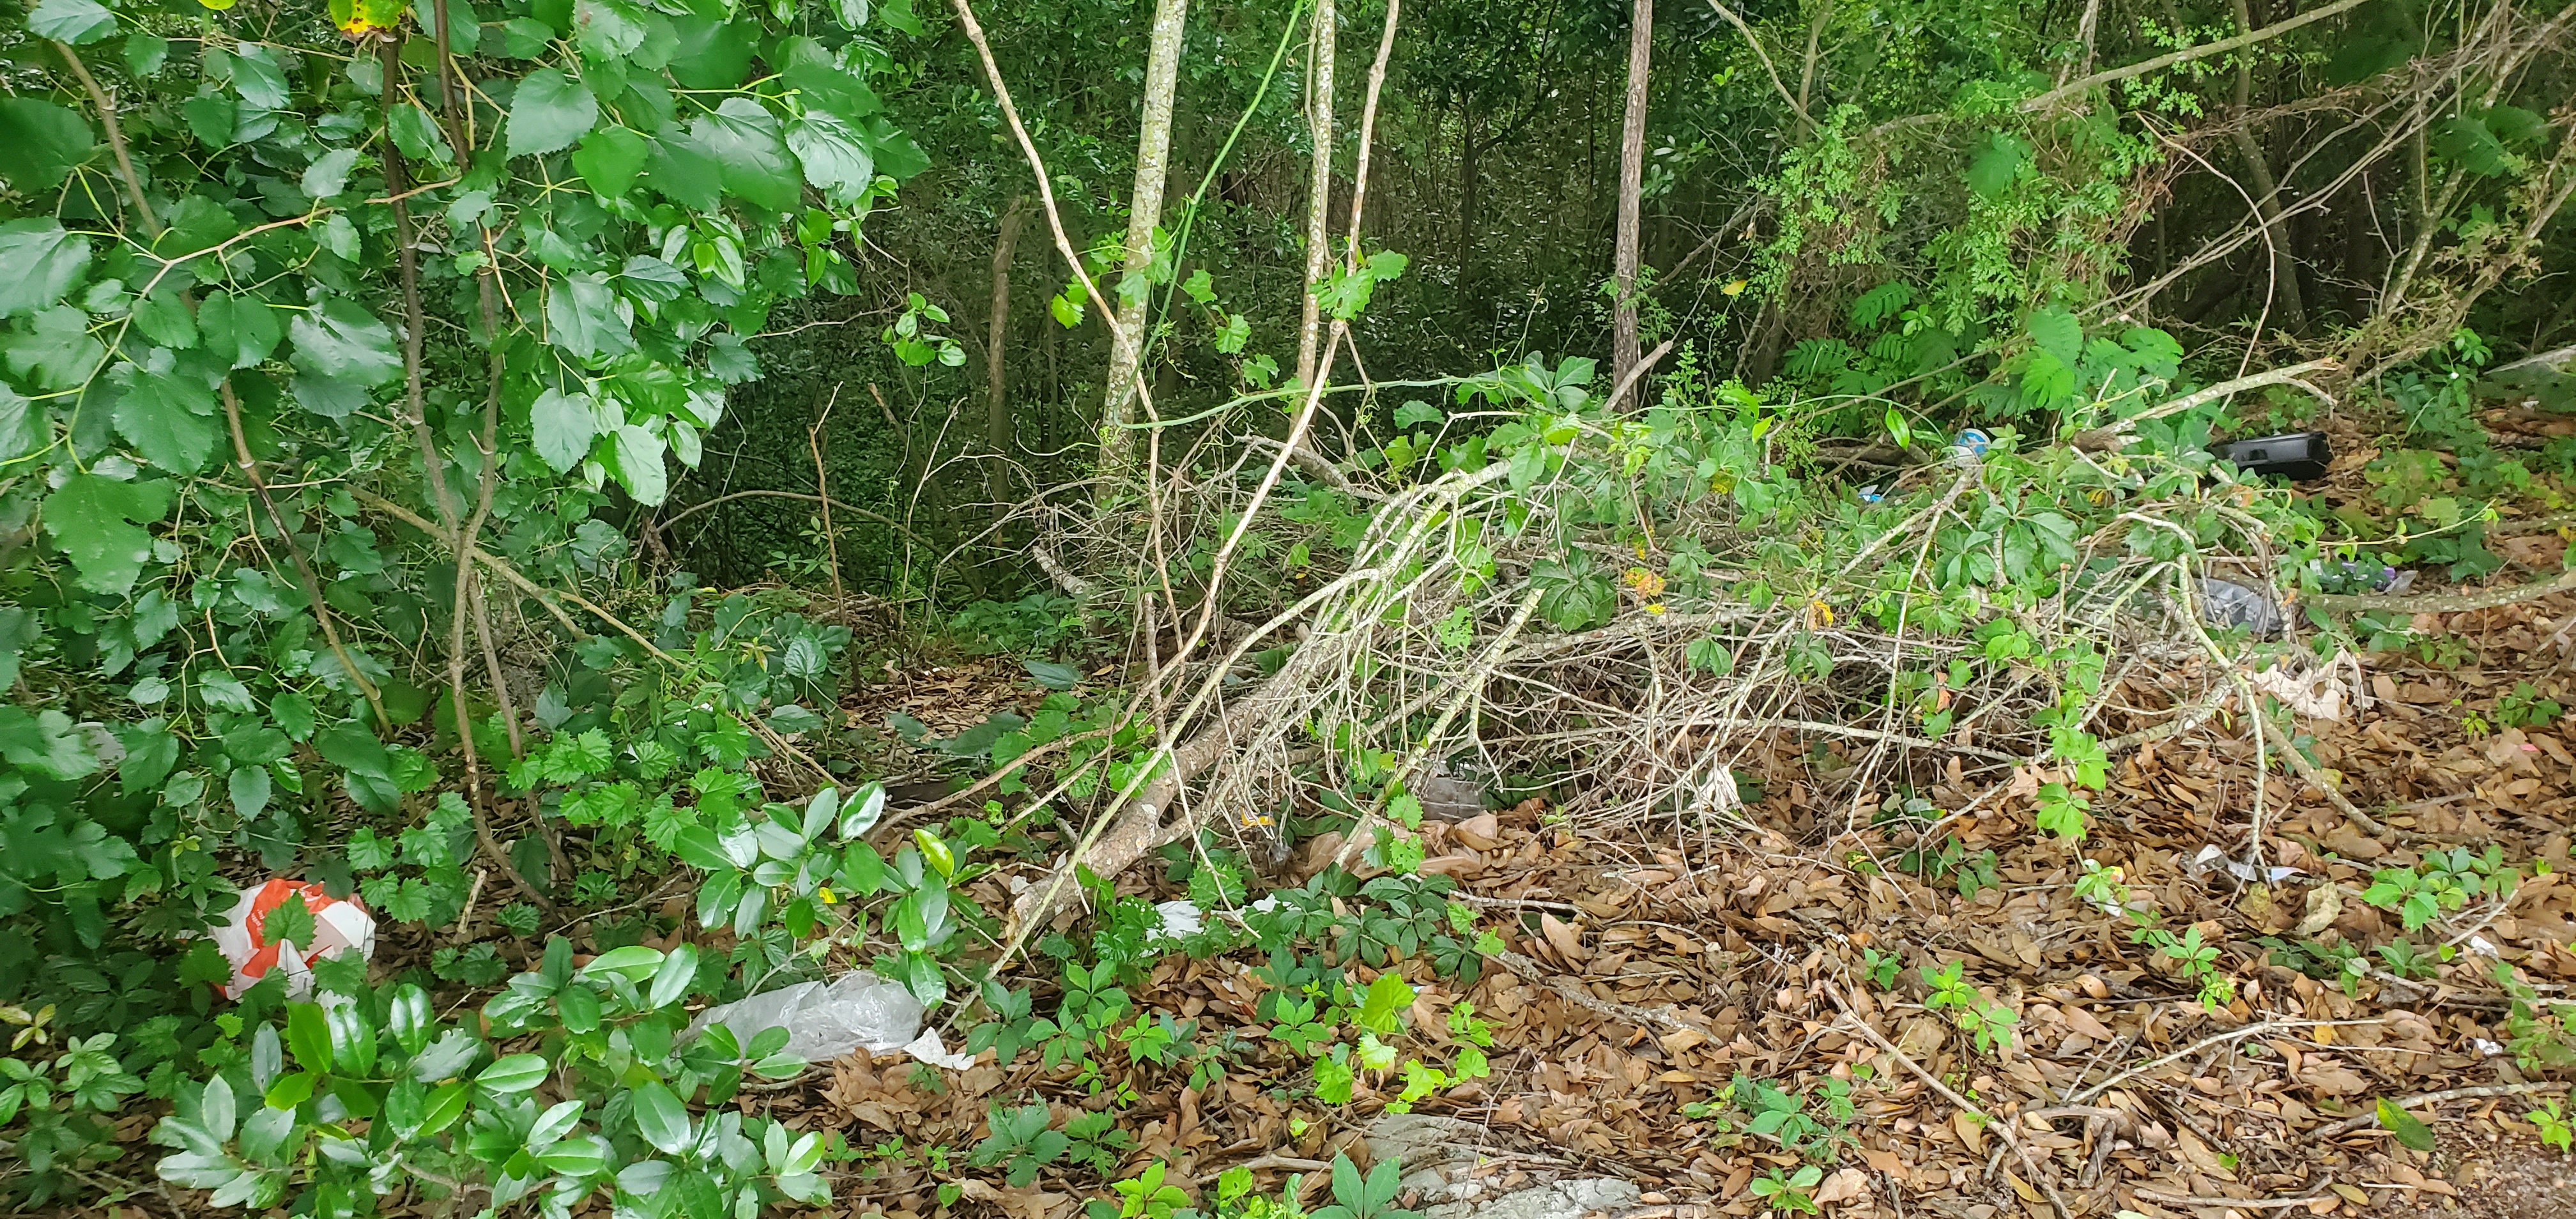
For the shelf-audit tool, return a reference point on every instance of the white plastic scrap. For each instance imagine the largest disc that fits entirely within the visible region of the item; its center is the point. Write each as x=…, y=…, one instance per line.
x=1181, y=919
x=2317, y=694
x=824, y=1022
x=2484, y=947
x=927, y=1048
x=2211, y=856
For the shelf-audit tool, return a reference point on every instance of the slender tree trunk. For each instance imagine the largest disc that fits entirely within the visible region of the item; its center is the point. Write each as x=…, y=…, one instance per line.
x=1632, y=175
x=1319, y=193
x=2267, y=199
x=997, y=404
x=1144, y=210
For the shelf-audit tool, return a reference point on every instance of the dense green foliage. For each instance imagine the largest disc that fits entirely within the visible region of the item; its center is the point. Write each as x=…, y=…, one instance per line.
x=386, y=383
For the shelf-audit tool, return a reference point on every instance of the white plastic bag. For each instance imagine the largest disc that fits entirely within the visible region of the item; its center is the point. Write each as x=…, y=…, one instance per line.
x=341, y=926
x=825, y=1021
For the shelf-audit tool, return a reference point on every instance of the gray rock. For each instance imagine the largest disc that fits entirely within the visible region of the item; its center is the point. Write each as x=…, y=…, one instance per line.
x=1557, y=1200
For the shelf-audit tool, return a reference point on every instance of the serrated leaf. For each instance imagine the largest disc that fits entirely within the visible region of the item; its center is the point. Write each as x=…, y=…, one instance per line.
x=835, y=161
x=586, y=317
x=636, y=460
x=96, y=520
x=549, y=112
x=339, y=339
x=78, y=22
x=565, y=425
x=41, y=143
x=609, y=159
x=2057, y=332
x=240, y=329
x=329, y=173
x=39, y=262
x=168, y=417
x=1994, y=161
x=743, y=138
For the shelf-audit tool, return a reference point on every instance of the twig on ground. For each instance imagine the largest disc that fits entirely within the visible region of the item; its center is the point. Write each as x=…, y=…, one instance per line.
x=2046, y=1181
x=2350, y=1124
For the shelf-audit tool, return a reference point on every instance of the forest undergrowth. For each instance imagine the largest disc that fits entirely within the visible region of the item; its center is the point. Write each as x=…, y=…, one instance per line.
x=1863, y=748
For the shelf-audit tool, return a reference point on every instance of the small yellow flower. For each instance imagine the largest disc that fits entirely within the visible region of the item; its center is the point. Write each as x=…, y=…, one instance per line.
x=1656, y=607
x=1819, y=615
x=826, y=895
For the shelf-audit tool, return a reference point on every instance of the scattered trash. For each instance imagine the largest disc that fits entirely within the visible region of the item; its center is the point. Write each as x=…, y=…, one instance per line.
x=2227, y=604
x=826, y=1021
x=2211, y=856
x=2486, y=1048
x=1969, y=447
x=2485, y=947
x=1181, y=919
x=2317, y=694
x=341, y=925
x=1870, y=494
x=2297, y=456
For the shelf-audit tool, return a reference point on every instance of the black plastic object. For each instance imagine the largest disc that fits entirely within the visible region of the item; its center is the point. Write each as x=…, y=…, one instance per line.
x=2297, y=456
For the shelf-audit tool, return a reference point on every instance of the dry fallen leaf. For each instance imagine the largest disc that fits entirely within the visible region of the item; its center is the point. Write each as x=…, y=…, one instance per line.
x=1563, y=939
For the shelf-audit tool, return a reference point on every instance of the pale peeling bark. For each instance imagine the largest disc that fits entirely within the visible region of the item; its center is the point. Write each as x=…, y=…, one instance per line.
x=1632, y=174
x=1144, y=209
x=1319, y=195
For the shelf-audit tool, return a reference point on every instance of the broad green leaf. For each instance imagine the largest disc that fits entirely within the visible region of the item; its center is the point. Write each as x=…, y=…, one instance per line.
x=607, y=29
x=2468, y=143
x=39, y=262
x=609, y=159
x=565, y=424
x=1994, y=161
x=338, y=338
x=681, y=167
x=712, y=53
x=241, y=329
x=835, y=162
x=329, y=173
x=515, y=1073
x=56, y=350
x=49, y=744
x=445, y=1106
x=1385, y=998
x=821, y=83
x=637, y=461
x=660, y=1118
x=549, y=112
x=96, y=520
x=418, y=135
x=215, y=1109
x=586, y=317
x=168, y=417
x=23, y=428
x=2409, y=1129
x=2059, y=333
x=671, y=981
x=308, y=1027
x=743, y=138
x=256, y=77
x=634, y=962
x=41, y=143
x=249, y=787
x=78, y=22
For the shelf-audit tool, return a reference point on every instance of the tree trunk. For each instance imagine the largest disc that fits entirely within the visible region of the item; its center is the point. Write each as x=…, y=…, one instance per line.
x=1319, y=193
x=1144, y=210
x=1632, y=176
x=2267, y=202
x=997, y=404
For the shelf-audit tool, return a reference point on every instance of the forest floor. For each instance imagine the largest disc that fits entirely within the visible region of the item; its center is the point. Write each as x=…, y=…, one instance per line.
x=1649, y=966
